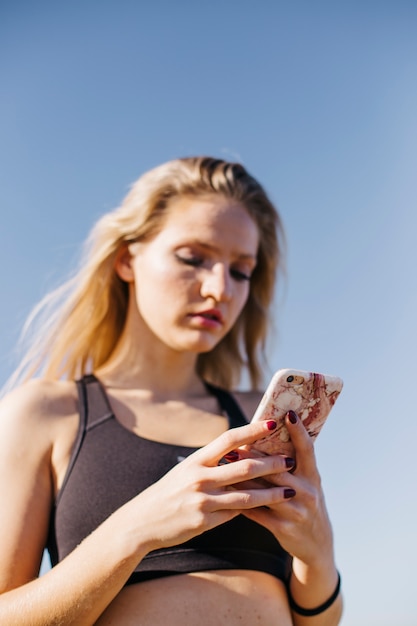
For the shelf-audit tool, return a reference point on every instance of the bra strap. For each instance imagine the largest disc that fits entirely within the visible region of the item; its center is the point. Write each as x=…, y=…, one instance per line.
x=229, y=405
x=98, y=407
x=81, y=431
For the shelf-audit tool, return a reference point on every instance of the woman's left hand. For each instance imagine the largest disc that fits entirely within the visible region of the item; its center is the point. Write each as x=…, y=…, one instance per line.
x=301, y=523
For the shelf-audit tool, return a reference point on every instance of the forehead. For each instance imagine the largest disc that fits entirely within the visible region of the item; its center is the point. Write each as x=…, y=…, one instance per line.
x=214, y=217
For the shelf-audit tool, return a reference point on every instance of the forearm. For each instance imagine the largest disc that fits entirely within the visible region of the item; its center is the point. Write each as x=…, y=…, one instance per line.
x=78, y=589
x=310, y=587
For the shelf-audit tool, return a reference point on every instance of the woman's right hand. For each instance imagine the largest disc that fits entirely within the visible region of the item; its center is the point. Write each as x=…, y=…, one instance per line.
x=199, y=494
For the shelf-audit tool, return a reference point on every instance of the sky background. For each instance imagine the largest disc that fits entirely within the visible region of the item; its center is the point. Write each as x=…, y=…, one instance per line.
x=319, y=101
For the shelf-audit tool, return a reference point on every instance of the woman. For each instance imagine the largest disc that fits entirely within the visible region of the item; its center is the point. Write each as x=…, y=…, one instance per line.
x=136, y=477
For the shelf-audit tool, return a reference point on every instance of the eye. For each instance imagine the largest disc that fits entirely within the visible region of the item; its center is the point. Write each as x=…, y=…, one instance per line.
x=189, y=259
x=239, y=275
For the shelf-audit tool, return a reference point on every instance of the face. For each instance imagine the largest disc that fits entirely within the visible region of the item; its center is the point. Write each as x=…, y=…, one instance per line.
x=191, y=281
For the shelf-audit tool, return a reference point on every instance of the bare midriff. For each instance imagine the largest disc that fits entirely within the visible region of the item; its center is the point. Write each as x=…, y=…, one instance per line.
x=232, y=597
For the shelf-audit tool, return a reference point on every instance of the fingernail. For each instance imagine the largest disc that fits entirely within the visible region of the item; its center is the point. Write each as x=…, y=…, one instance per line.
x=289, y=462
x=231, y=456
x=289, y=493
x=292, y=416
x=271, y=424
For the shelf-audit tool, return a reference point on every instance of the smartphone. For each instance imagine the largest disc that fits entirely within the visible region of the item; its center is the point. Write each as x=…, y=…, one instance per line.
x=309, y=394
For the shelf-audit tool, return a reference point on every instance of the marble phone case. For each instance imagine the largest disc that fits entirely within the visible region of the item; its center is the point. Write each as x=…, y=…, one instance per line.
x=309, y=394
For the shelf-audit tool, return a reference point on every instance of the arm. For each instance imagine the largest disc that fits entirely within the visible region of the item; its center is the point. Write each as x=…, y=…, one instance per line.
x=303, y=528
x=190, y=499
x=78, y=589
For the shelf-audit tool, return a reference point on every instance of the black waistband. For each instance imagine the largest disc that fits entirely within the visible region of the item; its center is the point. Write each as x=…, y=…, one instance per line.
x=184, y=561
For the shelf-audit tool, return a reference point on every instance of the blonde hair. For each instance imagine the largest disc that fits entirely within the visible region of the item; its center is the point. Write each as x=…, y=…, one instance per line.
x=88, y=312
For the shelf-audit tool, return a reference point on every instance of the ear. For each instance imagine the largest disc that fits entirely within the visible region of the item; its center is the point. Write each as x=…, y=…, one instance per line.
x=123, y=264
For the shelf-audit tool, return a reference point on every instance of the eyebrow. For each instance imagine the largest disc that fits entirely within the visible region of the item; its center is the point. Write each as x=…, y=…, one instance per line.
x=208, y=246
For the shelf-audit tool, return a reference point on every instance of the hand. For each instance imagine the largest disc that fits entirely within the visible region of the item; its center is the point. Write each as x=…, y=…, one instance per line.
x=198, y=493
x=301, y=523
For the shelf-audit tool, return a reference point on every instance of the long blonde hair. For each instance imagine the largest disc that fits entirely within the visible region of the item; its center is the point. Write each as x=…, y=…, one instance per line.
x=80, y=323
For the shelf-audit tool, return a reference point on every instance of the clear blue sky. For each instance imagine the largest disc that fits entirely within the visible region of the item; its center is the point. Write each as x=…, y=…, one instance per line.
x=319, y=100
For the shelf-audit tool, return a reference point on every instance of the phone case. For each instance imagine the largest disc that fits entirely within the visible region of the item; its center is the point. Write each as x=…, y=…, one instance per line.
x=309, y=394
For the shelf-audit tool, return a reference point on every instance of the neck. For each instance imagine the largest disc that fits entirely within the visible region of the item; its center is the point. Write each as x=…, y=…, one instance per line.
x=151, y=365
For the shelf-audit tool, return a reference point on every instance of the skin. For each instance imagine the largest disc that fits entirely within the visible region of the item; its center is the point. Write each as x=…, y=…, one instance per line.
x=187, y=288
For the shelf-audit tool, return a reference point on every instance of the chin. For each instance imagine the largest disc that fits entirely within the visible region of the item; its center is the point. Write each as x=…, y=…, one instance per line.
x=197, y=343
x=201, y=347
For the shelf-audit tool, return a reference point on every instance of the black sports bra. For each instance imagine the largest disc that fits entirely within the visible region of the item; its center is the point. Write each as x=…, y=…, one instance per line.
x=110, y=465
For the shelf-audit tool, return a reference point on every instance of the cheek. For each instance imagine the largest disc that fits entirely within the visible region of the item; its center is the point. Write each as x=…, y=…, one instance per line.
x=152, y=269
x=239, y=302
x=243, y=294
x=158, y=281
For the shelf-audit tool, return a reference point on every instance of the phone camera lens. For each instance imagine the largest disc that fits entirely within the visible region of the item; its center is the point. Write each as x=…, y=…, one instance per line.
x=290, y=379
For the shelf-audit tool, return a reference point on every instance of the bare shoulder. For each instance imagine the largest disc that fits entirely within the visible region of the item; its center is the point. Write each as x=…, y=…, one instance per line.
x=248, y=401
x=38, y=422
x=38, y=403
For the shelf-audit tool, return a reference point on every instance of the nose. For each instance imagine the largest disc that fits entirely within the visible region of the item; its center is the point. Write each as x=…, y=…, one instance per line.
x=217, y=283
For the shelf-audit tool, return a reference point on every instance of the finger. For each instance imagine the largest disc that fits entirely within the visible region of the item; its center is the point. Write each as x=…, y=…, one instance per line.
x=247, y=499
x=272, y=520
x=250, y=453
x=301, y=440
x=232, y=439
x=241, y=453
x=251, y=469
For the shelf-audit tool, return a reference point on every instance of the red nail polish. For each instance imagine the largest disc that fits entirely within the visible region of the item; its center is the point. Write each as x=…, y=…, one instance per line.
x=292, y=416
x=271, y=424
x=231, y=456
x=289, y=493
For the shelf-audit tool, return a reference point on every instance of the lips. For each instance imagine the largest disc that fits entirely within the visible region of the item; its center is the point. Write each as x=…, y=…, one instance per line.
x=211, y=315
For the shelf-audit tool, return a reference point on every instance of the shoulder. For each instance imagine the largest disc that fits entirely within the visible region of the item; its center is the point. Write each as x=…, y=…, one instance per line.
x=38, y=404
x=46, y=396
x=248, y=401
